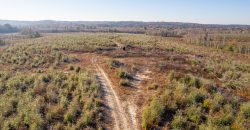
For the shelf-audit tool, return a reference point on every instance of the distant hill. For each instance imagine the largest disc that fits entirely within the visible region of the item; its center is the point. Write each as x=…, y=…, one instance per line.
x=176, y=29
x=116, y=24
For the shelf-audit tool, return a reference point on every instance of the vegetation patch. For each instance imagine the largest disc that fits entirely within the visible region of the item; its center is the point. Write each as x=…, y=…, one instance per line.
x=56, y=100
x=151, y=114
x=194, y=106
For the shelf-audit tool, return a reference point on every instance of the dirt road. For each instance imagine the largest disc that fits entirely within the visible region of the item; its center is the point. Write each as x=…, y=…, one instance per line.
x=123, y=113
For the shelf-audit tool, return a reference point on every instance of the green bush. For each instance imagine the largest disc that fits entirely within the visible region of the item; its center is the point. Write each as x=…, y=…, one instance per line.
x=123, y=74
x=217, y=102
x=194, y=114
x=152, y=114
x=245, y=110
x=195, y=82
x=230, y=47
x=186, y=79
x=147, y=122
x=10, y=108
x=223, y=120
x=88, y=118
x=206, y=104
x=196, y=97
x=73, y=111
x=179, y=122
x=69, y=117
x=16, y=82
x=55, y=113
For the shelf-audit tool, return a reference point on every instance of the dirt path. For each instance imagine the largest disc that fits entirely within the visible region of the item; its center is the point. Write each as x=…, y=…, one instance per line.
x=122, y=120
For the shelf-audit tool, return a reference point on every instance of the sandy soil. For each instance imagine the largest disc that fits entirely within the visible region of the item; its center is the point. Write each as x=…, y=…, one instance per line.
x=123, y=112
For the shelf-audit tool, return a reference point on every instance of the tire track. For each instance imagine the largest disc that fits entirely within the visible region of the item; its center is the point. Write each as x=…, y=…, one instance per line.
x=120, y=117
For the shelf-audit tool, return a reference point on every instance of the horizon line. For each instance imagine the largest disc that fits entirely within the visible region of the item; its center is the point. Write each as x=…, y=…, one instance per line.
x=144, y=21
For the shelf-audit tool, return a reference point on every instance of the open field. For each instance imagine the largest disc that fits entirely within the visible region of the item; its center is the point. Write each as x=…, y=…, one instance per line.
x=124, y=81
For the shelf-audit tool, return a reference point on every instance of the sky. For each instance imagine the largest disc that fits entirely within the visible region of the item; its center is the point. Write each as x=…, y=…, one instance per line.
x=195, y=11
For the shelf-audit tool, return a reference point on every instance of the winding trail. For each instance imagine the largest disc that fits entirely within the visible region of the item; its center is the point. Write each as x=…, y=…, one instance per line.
x=121, y=119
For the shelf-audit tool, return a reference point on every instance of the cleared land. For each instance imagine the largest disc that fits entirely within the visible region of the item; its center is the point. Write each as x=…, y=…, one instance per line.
x=122, y=81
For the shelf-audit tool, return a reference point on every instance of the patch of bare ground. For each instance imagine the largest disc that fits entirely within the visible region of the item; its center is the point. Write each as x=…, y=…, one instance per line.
x=123, y=113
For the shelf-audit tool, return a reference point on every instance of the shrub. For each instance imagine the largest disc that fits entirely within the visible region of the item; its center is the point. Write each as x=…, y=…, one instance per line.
x=194, y=114
x=114, y=63
x=153, y=86
x=123, y=74
x=186, y=79
x=46, y=78
x=124, y=83
x=15, y=82
x=245, y=110
x=52, y=96
x=179, y=122
x=59, y=126
x=196, y=97
x=36, y=125
x=224, y=120
x=217, y=102
x=78, y=69
x=88, y=104
x=231, y=75
x=206, y=104
x=195, y=62
x=230, y=47
x=69, y=117
x=199, y=98
x=211, y=88
x=39, y=88
x=179, y=94
x=85, y=120
x=55, y=113
x=31, y=118
x=195, y=82
x=72, y=112
x=71, y=68
x=10, y=108
x=234, y=85
x=147, y=122
x=235, y=102
x=152, y=114
x=171, y=76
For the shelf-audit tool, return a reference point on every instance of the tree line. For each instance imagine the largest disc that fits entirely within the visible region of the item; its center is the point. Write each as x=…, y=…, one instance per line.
x=7, y=28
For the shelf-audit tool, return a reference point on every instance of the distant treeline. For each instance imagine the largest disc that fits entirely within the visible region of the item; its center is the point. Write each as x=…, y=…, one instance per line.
x=164, y=29
x=112, y=24
x=7, y=28
x=164, y=32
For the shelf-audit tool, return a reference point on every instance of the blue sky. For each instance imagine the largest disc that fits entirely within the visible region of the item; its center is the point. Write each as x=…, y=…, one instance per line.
x=198, y=11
